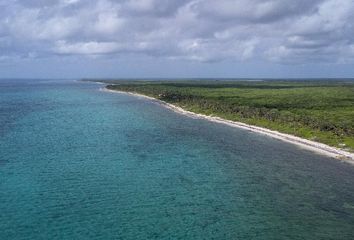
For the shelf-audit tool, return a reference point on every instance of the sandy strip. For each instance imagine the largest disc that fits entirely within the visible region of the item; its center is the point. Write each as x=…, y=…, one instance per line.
x=304, y=143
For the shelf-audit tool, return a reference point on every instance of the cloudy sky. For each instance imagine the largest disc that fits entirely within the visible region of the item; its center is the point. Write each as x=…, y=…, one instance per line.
x=176, y=38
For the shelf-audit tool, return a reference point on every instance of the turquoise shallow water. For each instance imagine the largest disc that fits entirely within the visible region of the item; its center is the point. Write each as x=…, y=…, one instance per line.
x=77, y=163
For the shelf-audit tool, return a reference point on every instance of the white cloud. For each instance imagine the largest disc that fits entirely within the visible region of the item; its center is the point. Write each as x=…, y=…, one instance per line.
x=323, y=35
x=108, y=23
x=86, y=48
x=254, y=10
x=199, y=30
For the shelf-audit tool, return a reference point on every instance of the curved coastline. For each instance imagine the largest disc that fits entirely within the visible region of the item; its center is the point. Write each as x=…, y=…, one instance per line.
x=317, y=147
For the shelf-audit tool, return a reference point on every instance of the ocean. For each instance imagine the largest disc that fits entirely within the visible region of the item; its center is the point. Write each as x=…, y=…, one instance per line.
x=79, y=163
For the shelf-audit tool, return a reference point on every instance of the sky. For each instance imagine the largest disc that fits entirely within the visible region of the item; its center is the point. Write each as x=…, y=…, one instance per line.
x=176, y=38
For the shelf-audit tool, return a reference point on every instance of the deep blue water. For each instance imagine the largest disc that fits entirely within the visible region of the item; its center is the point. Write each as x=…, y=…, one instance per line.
x=78, y=163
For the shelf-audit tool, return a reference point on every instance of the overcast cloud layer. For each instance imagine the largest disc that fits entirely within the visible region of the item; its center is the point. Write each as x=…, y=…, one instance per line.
x=207, y=31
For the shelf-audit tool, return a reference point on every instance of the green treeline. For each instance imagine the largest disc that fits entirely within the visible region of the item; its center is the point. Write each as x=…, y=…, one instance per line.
x=318, y=110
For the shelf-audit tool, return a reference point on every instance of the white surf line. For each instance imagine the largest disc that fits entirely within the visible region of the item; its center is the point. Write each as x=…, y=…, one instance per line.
x=301, y=142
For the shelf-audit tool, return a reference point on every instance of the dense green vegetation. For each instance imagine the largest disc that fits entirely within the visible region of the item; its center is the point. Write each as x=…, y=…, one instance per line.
x=318, y=110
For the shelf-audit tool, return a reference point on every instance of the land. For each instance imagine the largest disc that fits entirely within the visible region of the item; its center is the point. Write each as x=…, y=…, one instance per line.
x=317, y=110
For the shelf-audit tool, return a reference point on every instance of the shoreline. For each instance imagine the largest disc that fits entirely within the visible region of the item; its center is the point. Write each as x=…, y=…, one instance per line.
x=313, y=146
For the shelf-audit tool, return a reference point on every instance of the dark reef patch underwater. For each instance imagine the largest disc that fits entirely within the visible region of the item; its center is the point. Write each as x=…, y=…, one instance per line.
x=78, y=163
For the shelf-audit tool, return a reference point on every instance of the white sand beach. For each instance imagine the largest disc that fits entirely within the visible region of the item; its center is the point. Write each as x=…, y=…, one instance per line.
x=319, y=148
